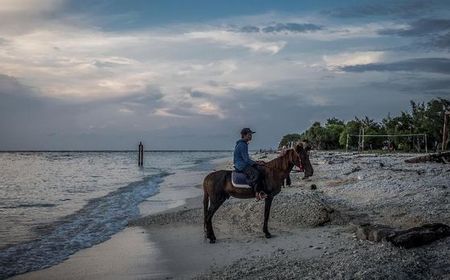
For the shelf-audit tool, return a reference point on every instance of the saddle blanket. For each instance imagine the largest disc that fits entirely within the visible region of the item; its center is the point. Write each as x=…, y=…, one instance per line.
x=239, y=180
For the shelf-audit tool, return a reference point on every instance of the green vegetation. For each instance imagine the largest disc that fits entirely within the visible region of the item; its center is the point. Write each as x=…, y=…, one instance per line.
x=422, y=119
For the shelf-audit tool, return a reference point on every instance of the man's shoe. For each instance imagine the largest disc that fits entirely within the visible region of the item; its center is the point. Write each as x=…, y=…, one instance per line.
x=260, y=195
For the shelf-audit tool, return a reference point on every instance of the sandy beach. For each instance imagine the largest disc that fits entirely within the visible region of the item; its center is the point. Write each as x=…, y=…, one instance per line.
x=313, y=223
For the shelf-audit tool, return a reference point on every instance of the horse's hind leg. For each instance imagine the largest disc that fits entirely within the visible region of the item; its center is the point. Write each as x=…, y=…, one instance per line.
x=268, y=204
x=205, y=209
x=214, y=205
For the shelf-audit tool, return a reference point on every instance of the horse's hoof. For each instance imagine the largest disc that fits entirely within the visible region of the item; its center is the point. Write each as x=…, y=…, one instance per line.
x=268, y=235
x=212, y=241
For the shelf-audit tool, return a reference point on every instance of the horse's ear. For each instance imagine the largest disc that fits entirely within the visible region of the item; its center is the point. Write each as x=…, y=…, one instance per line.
x=299, y=147
x=292, y=153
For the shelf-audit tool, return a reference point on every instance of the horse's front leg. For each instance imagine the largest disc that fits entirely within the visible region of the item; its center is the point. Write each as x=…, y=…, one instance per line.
x=268, y=204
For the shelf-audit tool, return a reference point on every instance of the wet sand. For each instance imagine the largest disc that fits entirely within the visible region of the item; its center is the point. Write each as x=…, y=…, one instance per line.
x=127, y=255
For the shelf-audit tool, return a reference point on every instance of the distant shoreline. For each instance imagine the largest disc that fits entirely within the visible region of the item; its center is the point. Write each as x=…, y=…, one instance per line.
x=108, y=151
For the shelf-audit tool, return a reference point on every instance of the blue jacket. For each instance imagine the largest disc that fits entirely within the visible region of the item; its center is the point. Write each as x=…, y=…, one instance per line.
x=241, y=159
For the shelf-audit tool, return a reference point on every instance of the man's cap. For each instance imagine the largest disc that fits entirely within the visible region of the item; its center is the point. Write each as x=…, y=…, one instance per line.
x=246, y=131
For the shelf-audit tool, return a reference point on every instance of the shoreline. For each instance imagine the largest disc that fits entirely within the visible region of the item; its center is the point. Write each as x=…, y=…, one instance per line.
x=176, y=191
x=313, y=229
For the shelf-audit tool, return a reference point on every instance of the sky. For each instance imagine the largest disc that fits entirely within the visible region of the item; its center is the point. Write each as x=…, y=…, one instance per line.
x=175, y=74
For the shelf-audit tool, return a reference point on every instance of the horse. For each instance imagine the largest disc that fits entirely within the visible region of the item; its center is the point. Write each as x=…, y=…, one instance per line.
x=217, y=186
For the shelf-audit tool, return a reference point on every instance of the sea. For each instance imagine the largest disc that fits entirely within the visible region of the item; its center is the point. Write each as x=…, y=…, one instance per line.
x=53, y=204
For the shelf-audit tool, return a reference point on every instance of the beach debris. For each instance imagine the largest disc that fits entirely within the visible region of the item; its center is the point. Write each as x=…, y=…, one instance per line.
x=410, y=238
x=355, y=169
x=313, y=187
x=418, y=236
x=437, y=157
x=375, y=233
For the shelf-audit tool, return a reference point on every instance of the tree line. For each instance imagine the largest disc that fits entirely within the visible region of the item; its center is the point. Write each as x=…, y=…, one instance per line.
x=422, y=118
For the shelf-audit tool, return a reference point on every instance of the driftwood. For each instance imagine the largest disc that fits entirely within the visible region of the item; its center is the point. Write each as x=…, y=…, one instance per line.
x=356, y=169
x=438, y=157
x=413, y=237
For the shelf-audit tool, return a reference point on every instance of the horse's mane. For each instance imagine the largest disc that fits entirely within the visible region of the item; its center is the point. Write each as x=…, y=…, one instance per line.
x=281, y=162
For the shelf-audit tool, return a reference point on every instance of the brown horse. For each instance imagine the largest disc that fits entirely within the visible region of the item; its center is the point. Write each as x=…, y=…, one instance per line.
x=217, y=186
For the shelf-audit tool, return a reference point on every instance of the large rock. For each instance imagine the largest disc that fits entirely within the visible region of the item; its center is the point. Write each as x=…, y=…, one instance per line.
x=418, y=236
x=413, y=237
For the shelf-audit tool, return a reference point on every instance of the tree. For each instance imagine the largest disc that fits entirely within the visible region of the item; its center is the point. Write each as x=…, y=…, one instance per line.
x=422, y=119
x=294, y=137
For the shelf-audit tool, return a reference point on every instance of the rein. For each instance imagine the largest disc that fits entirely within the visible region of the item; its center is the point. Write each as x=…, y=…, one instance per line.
x=281, y=163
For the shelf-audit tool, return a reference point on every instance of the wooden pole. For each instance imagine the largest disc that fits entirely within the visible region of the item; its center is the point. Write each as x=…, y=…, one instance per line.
x=445, y=131
x=362, y=140
x=346, y=143
x=141, y=155
x=426, y=144
x=359, y=140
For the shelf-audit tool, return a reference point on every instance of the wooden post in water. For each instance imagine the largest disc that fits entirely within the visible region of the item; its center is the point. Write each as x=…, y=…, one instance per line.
x=141, y=155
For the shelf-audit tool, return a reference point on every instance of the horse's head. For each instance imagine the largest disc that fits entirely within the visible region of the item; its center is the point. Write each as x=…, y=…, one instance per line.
x=302, y=149
x=292, y=157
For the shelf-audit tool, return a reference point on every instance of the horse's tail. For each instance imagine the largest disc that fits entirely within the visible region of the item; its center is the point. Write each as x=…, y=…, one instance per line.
x=205, y=203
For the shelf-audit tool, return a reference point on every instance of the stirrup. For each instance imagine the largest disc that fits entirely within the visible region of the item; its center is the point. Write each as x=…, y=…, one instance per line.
x=260, y=195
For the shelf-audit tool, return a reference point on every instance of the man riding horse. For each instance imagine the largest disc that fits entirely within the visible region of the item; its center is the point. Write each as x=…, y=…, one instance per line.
x=218, y=186
x=243, y=163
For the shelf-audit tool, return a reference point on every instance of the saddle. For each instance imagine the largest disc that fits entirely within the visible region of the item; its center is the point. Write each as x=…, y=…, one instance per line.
x=239, y=180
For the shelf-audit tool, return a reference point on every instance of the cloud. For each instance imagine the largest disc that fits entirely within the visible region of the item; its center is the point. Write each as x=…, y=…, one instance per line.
x=282, y=27
x=432, y=65
x=233, y=39
x=416, y=85
x=422, y=27
x=250, y=29
x=356, y=58
x=198, y=94
x=385, y=8
x=93, y=86
x=29, y=6
x=20, y=16
x=441, y=41
x=291, y=27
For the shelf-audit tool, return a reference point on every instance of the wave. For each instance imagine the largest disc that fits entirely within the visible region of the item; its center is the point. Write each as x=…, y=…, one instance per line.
x=30, y=205
x=96, y=222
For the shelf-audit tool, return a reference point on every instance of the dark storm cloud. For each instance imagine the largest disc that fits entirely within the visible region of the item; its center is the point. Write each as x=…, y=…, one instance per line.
x=106, y=64
x=198, y=94
x=385, y=8
x=30, y=121
x=12, y=90
x=421, y=27
x=441, y=41
x=292, y=27
x=282, y=27
x=25, y=117
x=250, y=29
x=416, y=85
x=432, y=65
x=149, y=96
